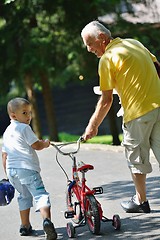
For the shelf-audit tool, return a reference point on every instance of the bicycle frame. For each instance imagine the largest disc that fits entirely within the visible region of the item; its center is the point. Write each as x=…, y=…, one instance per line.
x=80, y=188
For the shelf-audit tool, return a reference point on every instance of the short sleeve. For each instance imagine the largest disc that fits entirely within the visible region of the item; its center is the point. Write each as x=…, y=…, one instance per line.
x=29, y=135
x=106, y=74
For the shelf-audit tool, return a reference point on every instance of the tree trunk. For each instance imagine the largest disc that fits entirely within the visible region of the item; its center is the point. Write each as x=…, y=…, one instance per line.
x=49, y=106
x=31, y=97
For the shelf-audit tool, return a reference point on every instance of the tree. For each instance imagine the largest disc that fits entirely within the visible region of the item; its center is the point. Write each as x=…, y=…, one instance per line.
x=24, y=60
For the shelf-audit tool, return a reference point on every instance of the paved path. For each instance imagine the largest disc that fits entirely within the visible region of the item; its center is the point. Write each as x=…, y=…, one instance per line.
x=111, y=172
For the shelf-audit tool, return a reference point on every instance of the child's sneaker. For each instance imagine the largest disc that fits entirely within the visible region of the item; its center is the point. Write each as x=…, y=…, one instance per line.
x=25, y=231
x=49, y=229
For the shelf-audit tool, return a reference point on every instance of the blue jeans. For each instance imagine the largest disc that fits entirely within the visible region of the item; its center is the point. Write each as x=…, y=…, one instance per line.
x=30, y=186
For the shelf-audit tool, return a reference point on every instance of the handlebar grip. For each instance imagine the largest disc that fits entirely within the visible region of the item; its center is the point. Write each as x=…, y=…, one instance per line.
x=81, y=139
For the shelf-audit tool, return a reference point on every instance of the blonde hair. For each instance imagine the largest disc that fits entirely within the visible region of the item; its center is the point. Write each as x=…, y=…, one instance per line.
x=16, y=103
x=94, y=28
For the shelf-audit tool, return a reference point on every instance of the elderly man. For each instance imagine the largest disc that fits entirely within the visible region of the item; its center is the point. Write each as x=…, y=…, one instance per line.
x=128, y=67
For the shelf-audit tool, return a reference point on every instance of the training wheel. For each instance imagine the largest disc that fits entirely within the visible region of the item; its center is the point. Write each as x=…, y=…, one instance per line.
x=70, y=230
x=116, y=222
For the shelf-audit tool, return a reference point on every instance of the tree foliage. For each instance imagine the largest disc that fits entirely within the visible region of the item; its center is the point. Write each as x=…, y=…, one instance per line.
x=43, y=34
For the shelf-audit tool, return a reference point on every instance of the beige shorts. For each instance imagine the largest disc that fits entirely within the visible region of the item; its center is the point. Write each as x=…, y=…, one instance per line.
x=141, y=135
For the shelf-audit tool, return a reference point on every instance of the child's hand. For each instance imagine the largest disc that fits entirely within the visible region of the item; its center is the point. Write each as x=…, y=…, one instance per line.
x=47, y=143
x=40, y=144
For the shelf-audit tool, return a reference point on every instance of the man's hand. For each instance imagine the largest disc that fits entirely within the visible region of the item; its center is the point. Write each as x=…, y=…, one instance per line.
x=90, y=132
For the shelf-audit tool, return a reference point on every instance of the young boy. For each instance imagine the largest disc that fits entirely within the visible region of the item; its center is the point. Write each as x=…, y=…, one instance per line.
x=21, y=165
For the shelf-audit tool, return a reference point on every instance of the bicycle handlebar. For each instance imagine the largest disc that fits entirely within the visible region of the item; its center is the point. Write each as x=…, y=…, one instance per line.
x=59, y=146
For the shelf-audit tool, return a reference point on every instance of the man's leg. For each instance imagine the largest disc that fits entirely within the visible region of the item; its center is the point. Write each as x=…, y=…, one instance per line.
x=138, y=203
x=137, y=143
x=140, y=186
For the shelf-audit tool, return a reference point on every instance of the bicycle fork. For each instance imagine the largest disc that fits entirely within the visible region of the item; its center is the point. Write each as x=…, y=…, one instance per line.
x=72, y=207
x=81, y=199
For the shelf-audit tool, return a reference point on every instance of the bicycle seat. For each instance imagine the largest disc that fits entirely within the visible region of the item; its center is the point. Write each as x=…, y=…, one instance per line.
x=85, y=168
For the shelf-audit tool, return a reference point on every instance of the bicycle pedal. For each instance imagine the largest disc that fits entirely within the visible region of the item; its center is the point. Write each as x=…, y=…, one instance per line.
x=98, y=190
x=69, y=214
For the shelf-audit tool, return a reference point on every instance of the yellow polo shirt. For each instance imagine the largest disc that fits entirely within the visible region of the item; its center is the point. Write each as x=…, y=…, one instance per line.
x=128, y=67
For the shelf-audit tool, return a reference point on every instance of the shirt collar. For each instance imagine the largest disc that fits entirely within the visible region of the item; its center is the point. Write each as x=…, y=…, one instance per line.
x=113, y=42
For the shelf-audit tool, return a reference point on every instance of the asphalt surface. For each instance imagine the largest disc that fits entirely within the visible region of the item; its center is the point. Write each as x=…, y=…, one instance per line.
x=111, y=173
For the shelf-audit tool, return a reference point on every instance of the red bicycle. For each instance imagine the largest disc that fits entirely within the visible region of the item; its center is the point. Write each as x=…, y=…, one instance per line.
x=82, y=206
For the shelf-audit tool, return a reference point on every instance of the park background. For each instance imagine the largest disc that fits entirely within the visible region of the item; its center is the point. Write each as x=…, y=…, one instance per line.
x=44, y=60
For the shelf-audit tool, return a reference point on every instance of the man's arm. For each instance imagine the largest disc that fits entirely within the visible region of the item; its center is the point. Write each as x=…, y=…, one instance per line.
x=102, y=108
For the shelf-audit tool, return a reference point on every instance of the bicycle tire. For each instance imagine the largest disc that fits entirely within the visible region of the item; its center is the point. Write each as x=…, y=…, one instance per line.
x=70, y=230
x=92, y=214
x=116, y=222
x=74, y=205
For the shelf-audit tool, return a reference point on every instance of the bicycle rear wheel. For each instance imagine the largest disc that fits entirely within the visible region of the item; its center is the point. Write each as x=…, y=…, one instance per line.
x=92, y=214
x=74, y=205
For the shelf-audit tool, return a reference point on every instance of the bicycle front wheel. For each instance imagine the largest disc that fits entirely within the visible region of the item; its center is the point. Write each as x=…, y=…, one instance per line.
x=73, y=205
x=92, y=214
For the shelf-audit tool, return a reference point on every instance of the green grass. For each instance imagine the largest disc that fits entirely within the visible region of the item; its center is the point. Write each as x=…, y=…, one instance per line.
x=104, y=139
x=65, y=137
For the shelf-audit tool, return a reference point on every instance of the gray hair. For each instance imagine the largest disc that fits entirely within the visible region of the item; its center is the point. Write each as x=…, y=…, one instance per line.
x=15, y=103
x=94, y=28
